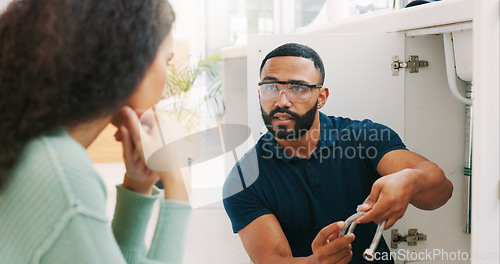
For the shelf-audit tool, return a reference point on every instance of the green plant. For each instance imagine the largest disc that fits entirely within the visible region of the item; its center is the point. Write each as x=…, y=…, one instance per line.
x=180, y=100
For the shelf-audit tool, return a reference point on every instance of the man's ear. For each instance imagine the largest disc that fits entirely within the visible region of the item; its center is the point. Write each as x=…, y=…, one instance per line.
x=323, y=96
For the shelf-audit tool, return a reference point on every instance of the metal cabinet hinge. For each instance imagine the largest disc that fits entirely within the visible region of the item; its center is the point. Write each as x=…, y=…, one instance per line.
x=412, y=237
x=414, y=64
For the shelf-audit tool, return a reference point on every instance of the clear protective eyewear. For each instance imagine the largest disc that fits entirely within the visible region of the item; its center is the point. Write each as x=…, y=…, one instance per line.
x=296, y=92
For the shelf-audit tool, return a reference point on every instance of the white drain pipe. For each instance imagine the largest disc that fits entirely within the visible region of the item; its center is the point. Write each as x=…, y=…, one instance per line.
x=450, y=69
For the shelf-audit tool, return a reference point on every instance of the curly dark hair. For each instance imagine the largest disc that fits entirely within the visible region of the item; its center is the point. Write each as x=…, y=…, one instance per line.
x=66, y=62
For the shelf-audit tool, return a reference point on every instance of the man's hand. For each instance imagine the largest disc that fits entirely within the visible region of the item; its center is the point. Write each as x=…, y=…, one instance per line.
x=407, y=177
x=388, y=199
x=327, y=248
x=265, y=243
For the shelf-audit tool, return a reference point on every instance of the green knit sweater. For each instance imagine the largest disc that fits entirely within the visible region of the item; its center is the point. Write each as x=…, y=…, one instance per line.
x=53, y=211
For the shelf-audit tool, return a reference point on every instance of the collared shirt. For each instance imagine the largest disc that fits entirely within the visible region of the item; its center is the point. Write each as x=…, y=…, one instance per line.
x=307, y=194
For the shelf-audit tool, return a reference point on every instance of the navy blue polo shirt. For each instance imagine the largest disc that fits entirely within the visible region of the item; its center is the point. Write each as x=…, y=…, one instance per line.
x=306, y=195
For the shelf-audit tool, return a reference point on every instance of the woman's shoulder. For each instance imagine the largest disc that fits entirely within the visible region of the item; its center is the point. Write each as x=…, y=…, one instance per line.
x=59, y=165
x=52, y=182
x=52, y=148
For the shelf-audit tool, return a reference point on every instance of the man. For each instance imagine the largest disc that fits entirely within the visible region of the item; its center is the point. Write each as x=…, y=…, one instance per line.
x=311, y=170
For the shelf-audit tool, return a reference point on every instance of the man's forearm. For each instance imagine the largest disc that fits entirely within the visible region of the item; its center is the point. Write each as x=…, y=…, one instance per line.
x=432, y=188
x=286, y=260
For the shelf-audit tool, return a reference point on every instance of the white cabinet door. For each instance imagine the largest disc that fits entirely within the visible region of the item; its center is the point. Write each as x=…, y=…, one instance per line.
x=435, y=128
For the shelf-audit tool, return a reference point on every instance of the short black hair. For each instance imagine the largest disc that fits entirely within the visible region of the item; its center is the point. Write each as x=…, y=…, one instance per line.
x=297, y=50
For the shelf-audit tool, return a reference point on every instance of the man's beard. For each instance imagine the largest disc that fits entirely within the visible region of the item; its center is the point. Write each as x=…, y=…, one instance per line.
x=302, y=122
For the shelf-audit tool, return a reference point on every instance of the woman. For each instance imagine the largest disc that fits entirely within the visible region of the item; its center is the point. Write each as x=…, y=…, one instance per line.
x=67, y=68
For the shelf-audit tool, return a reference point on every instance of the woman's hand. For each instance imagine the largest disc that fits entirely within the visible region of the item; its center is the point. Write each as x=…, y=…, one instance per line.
x=136, y=134
x=138, y=178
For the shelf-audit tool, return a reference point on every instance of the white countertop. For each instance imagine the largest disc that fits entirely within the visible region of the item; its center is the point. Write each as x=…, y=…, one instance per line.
x=432, y=18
